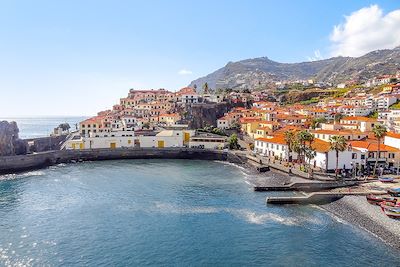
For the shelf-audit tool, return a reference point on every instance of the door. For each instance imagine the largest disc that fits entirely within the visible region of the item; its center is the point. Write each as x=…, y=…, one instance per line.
x=187, y=137
x=81, y=146
x=113, y=145
x=73, y=146
x=160, y=144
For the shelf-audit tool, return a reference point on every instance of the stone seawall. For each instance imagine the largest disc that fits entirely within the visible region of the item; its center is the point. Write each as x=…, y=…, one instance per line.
x=12, y=164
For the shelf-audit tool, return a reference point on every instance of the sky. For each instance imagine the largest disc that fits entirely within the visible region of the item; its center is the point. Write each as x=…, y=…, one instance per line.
x=71, y=58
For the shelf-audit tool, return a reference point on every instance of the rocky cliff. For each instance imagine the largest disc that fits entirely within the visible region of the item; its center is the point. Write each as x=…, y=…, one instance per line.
x=202, y=115
x=10, y=144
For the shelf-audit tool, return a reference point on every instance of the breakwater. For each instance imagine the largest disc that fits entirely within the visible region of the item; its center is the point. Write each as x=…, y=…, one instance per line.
x=11, y=164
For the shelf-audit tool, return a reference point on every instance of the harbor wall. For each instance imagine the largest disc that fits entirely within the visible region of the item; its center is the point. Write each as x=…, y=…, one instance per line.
x=11, y=164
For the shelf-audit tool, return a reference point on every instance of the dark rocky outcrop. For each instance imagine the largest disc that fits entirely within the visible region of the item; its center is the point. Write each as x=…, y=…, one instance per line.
x=10, y=144
x=202, y=115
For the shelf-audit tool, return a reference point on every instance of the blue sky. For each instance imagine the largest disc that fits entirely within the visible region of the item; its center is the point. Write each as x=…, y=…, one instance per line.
x=79, y=57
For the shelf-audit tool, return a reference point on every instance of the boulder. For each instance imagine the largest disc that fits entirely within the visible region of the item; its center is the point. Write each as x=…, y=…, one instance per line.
x=10, y=144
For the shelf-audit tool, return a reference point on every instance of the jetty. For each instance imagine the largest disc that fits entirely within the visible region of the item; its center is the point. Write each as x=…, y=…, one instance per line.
x=306, y=186
x=317, y=197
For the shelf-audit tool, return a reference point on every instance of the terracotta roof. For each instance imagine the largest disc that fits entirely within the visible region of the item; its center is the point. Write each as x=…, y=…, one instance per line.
x=277, y=139
x=321, y=146
x=358, y=118
x=373, y=146
x=394, y=135
x=335, y=132
x=249, y=119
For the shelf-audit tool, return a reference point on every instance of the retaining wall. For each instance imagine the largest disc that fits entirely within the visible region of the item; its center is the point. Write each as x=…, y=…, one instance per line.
x=13, y=164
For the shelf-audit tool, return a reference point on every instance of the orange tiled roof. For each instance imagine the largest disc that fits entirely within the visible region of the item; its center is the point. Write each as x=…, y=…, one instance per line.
x=373, y=146
x=249, y=119
x=277, y=139
x=321, y=146
x=336, y=132
x=358, y=118
x=394, y=135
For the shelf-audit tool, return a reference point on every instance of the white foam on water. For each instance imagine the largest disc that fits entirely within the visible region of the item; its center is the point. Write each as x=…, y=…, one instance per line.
x=243, y=214
x=261, y=218
x=231, y=164
x=169, y=208
x=21, y=175
x=330, y=214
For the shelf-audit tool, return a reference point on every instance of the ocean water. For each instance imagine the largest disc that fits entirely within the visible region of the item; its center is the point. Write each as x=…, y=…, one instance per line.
x=167, y=213
x=41, y=126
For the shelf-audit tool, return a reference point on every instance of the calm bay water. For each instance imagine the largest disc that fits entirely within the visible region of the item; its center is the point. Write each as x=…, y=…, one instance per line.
x=167, y=212
x=41, y=126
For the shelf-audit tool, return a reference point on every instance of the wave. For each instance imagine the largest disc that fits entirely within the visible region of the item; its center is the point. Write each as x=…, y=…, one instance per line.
x=254, y=218
x=21, y=175
x=231, y=164
x=247, y=215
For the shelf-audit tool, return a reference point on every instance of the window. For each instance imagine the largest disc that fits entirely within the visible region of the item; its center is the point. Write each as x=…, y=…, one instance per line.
x=362, y=156
x=353, y=155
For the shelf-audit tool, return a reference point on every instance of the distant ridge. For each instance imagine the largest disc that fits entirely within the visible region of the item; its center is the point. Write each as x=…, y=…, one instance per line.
x=248, y=73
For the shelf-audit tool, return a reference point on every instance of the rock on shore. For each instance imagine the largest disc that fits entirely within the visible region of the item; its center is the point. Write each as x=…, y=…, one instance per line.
x=10, y=144
x=357, y=211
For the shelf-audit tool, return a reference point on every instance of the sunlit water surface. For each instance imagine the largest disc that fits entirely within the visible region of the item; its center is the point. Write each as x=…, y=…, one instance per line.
x=167, y=212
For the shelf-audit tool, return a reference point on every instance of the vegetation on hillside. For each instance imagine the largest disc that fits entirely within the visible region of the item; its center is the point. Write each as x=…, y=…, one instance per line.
x=395, y=105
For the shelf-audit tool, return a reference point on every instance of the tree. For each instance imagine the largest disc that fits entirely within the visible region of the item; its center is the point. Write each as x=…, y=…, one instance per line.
x=339, y=144
x=303, y=137
x=310, y=153
x=316, y=121
x=64, y=126
x=289, y=140
x=205, y=88
x=233, y=142
x=379, y=131
x=146, y=125
x=218, y=131
x=338, y=117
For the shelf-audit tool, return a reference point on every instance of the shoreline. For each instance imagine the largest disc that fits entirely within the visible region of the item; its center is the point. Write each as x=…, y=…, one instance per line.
x=356, y=211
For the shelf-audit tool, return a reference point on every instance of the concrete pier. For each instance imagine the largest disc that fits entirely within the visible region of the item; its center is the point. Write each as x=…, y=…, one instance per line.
x=306, y=187
x=316, y=198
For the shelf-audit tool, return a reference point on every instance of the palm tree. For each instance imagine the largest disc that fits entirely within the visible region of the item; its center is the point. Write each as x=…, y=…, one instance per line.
x=303, y=137
x=379, y=131
x=289, y=139
x=339, y=144
x=310, y=153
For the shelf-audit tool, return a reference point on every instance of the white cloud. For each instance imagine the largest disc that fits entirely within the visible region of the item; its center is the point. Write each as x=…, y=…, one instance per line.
x=317, y=56
x=366, y=30
x=185, y=72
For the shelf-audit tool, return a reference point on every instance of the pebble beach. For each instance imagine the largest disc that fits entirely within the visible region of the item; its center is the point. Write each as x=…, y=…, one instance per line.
x=357, y=211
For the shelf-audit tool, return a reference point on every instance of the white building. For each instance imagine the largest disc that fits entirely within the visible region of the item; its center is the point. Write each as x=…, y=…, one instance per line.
x=127, y=139
x=208, y=141
x=325, y=158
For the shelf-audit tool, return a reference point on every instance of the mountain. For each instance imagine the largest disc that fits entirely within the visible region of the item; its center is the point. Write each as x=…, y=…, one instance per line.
x=250, y=73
